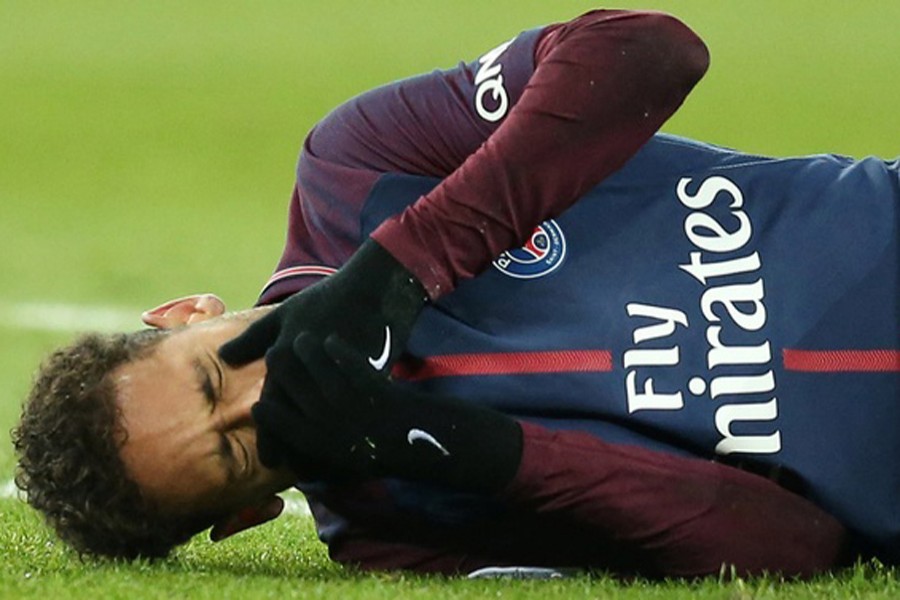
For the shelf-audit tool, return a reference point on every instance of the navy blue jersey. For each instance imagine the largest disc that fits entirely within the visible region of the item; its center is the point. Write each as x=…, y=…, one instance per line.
x=700, y=301
x=695, y=301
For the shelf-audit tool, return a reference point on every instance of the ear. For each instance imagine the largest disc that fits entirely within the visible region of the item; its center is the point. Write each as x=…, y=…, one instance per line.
x=184, y=311
x=247, y=517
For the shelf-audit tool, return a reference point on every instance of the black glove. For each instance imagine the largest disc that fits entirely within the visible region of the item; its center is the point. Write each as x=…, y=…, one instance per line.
x=356, y=423
x=372, y=302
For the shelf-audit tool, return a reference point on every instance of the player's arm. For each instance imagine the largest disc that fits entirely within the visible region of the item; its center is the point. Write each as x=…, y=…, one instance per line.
x=685, y=516
x=519, y=135
x=627, y=510
x=600, y=86
x=678, y=516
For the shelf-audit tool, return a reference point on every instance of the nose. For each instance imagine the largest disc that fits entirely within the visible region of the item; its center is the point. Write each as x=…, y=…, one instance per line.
x=238, y=410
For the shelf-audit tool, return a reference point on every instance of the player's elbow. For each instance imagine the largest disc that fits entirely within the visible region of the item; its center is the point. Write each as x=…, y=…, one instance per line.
x=655, y=58
x=671, y=49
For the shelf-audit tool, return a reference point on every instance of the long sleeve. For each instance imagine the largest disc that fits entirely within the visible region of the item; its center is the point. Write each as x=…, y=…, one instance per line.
x=602, y=86
x=685, y=516
x=516, y=136
x=580, y=502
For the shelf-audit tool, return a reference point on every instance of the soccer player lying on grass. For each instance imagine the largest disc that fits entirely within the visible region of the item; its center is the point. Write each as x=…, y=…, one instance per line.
x=691, y=362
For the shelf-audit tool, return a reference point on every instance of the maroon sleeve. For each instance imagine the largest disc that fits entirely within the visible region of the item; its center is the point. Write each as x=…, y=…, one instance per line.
x=581, y=502
x=518, y=135
x=424, y=125
x=684, y=516
x=603, y=84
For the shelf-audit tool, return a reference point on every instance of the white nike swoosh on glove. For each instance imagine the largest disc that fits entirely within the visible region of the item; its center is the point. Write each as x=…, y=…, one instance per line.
x=415, y=435
x=378, y=363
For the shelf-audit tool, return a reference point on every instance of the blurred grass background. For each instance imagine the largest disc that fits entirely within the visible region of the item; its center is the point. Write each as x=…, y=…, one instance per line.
x=147, y=149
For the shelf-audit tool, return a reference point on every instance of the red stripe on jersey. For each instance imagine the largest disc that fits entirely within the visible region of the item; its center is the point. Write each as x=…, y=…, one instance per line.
x=842, y=361
x=506, y=363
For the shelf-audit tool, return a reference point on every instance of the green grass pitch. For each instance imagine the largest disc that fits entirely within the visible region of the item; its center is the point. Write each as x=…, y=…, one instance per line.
x=147, y=151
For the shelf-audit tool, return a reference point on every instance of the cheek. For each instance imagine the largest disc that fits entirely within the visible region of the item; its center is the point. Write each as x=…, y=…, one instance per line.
x=203, y=491
x=183, y=482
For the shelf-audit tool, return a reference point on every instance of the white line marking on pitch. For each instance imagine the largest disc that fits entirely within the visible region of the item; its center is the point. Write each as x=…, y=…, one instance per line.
x=60, y=317
x=9, y=490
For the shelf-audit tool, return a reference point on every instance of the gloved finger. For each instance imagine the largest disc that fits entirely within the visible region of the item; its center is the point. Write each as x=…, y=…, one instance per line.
x=293, y=385
x=253, y=343
x=313, y=451
x=289, y=379
x=268, y=444
x=279, y=432
x=287, y=369
x=272, y=450
x=329, y=378
x=354, y=366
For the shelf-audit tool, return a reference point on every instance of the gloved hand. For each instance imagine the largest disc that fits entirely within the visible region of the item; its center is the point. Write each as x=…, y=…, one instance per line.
x=356, y=423
x=372, y=302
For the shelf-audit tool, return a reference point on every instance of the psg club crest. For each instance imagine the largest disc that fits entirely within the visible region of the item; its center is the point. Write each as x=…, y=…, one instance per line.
x=542, y=254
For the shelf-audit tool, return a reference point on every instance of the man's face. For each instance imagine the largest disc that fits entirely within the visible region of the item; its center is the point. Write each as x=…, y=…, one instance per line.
x=191, y=443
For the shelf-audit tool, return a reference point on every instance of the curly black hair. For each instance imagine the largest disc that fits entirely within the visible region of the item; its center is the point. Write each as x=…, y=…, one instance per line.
x=68, y=442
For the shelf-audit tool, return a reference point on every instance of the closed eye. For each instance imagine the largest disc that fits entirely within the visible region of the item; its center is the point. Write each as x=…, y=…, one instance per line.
x=204, y=383
x=212, y=396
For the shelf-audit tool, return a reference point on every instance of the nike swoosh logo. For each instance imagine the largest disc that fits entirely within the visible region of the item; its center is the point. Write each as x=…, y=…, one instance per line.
x=416, y=435
x=378, y=363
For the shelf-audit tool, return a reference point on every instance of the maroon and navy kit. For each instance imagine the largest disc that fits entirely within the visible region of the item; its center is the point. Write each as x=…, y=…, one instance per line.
x=654, y=311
